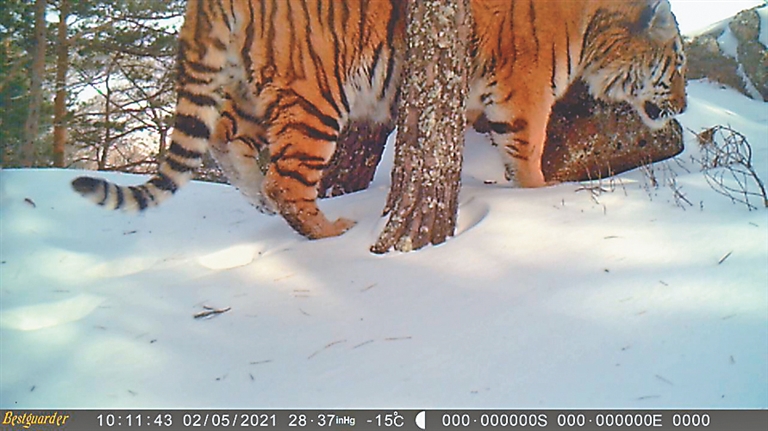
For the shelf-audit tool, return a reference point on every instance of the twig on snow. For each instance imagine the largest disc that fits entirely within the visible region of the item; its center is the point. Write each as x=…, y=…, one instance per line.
x=722, y=259
x=209, y=312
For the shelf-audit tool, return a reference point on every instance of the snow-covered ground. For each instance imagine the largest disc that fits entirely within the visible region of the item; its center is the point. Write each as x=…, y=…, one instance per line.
x=545, y=298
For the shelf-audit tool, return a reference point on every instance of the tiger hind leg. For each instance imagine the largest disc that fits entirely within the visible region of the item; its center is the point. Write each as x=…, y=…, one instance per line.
x=240, y=148
x=300, y=152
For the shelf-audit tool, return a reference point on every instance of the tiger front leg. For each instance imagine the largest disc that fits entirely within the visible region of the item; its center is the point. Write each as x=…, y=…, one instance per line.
x=292, y=180
x=521, y=140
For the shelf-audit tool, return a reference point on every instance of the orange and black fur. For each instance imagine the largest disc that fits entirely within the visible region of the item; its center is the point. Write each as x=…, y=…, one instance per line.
x=284, y=77
x=529, y=52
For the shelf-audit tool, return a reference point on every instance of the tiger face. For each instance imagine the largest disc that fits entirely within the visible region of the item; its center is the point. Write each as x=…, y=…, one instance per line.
x=646, y=66
x=662, y=93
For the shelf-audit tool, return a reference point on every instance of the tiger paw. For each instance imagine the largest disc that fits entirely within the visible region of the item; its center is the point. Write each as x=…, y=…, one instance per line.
x=327, y=229
x=343, y=224
x=509, y=172
x=265, y=205
x=527, y=176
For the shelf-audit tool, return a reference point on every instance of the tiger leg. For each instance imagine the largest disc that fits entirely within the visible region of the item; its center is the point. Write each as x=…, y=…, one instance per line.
x=520, y=139
x=237, y=144
x=300, y=152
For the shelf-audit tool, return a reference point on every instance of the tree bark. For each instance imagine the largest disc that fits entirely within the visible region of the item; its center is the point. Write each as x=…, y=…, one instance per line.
x=423, y=199
x=106, y=143
x=357, y=155
x=60, y=100
x=32, y=124
x=162, y=142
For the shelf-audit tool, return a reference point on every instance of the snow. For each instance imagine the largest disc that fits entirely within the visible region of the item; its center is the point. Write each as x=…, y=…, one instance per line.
x=546, y=298
x=729, y=44
x=763, y=37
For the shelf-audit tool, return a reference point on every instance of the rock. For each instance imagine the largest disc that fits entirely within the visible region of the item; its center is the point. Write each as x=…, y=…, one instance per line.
x=754, y=59
x=745, y=25
x=588, y=139
x=753, y=55
x=706, y=59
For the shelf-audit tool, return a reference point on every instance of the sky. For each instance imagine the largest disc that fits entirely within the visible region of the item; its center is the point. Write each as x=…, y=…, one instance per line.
x=693, y=15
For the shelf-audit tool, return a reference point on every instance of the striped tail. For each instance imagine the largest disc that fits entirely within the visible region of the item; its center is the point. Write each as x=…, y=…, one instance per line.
x=172, y=175
x=189, y=141
x=200, y=67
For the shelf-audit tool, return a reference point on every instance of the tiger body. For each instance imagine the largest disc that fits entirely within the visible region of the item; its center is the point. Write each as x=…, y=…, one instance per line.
x=285, y=77
x=627, y=50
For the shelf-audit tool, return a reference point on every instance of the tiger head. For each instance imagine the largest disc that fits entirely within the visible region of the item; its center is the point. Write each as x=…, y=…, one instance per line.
x=642, y=63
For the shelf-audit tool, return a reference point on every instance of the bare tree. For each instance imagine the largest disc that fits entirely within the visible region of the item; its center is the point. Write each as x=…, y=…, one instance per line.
x=32, y=125
x=423, y=200
x=60, y=101
x=126, y=67
x=115, y=128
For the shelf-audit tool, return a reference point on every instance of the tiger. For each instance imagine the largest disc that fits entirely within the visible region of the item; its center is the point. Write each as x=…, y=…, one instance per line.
x=528, y=53
x=297, y=71
x=267, y=86
x=240, y=148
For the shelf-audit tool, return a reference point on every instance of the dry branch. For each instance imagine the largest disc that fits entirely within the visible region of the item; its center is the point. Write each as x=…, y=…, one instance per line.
x=727, y=165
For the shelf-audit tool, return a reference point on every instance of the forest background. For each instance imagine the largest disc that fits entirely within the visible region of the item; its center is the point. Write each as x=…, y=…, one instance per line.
x=101, y=94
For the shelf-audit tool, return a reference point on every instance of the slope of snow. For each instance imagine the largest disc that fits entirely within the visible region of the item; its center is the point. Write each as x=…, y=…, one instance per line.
x=546, y=298
x=729, y=44
x=763, y=38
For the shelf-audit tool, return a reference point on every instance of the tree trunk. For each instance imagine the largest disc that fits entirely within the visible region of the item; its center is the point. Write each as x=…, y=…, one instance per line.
x=162, y=141
x=60, y=101
x=423, y=200
x=358, y=152
x=32, y=125
x=107, y=140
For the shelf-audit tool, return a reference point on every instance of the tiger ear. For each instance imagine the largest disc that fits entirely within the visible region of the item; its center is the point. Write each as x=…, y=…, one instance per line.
x=657, y=21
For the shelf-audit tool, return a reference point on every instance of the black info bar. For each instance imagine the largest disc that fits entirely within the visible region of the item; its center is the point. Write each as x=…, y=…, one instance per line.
x=395, y=419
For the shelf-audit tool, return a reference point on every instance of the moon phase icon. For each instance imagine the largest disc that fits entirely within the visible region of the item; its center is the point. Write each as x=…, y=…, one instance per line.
x=421, y=420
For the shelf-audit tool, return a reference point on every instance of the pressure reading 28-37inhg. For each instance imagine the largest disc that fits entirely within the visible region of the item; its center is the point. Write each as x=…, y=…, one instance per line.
x=320, y=419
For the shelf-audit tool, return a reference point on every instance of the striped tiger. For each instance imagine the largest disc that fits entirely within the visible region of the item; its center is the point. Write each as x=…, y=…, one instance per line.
x=528, y=53
x=284, y=77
